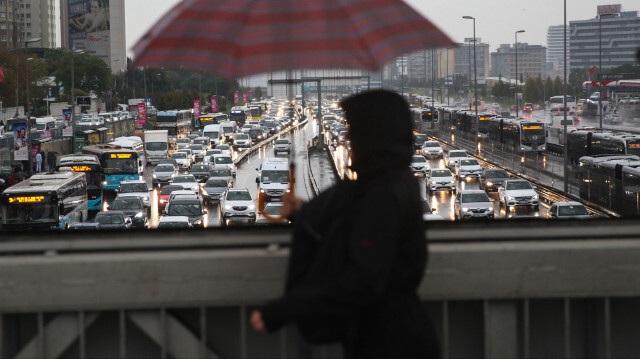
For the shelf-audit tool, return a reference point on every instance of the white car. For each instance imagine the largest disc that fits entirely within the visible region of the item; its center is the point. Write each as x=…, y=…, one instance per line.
x=472, y=204
x=518, y=193
x=282, y=145
x=183, y=159
x=224, y=161
x=135, y=188
x=467, y=168
x=237, y=204
x=568, y=210
x=432, y=149
x=224, y=149
x=440, y=179
x=419, y=164
x=242, y=140
x=451, y=157
x=187, y=182
x=174, y=222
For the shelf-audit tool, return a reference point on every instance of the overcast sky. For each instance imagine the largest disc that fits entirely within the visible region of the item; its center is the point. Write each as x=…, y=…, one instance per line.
x=496, y=20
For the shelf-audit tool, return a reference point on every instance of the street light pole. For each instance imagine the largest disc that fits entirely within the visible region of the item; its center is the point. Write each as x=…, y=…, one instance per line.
x=26, y=70
x=475, y=72
x=517, y=98
x=448, y=97
x=599, y=67
x=73, y=97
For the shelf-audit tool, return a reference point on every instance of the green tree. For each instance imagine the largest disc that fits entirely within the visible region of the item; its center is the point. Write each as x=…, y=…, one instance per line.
x=91, y=74
x=557, y=87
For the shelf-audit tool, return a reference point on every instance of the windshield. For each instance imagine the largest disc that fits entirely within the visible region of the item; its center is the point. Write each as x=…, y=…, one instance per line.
x=572, y=211
x=420, y=138
x=30, y=213
x=474, y=197
x=220, y=172
x=157, y=146
x=242, y=137
x=469, y=163
x=431, y=144
x=183, y=140
x=533, y=132
x=120, y=166
x=458, y=154
x=212, y=134
x=223, y=147
x=282, y=142
x=124, y=204
x=496, y=174
x=223, y=160
x=227, y=130
x=166, y=190
x=216, y=183
x=272, y=209
x=633, y=147
x=200, y=143
x=133, y=187
x=238, y=196
x=269, y=176
x=173, y=225
x=179, y=155
x=108, y=218
x=199, y=168
x=185, y=209
x=164, y=168
x=440, y=173
x=417, y=159
x=195, y=147
x=518, y=185
x=184, y=179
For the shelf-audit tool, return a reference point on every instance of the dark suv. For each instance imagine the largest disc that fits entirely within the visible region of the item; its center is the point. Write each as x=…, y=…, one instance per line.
x=133, y=208
x=191, y=208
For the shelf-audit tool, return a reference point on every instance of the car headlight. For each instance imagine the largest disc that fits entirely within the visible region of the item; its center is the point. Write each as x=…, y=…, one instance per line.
x=197, y=222
x=228, y=207
x=139, y=215
x=511, y=198
x=163, y=201
x=452, y=181
x=489, y=183
x=155, y=175
x=251, y=207
x=490, y=209
x=194, y=189
x=434, y=182
x=105, y=183
x=535, y=196
x=440, y=150
x=465, y=209
x=261, y=190
x=204, y=192
x=173, y=175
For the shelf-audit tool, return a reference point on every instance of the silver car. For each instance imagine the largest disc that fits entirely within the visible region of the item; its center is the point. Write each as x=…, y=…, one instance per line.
x=432, y=149
x=440, y=179
x=452, y=157
x=568, y=210
x=162, y=174
x=518, y=193
x=473, y=204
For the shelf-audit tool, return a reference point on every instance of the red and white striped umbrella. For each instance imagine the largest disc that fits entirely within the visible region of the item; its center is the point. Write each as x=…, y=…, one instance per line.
x=238, y=38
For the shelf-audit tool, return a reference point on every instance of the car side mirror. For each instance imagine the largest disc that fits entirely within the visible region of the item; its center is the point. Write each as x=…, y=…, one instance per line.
x=535, y=187
x=128, y=220
x=500, y=188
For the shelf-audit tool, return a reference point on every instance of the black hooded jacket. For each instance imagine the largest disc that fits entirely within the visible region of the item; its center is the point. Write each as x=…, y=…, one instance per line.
x=358, y=252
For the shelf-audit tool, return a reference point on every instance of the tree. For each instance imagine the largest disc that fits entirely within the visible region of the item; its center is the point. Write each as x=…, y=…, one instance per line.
x=91, y=74
x=557, y=87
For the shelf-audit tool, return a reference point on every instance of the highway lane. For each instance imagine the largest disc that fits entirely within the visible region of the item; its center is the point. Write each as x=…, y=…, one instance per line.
x=246, y=174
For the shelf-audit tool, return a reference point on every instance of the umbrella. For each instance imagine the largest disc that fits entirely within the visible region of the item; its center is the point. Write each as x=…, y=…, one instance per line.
x=238, y=38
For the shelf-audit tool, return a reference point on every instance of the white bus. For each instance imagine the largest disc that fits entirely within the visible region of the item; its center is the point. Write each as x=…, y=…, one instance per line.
x=133, y=143
x=557, y=102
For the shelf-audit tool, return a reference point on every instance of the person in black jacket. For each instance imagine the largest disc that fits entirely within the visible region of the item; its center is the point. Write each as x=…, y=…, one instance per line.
x=359, y=251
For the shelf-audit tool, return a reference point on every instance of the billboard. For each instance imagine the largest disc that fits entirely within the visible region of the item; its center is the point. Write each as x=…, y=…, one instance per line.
x=609, y=9
x=214, y=104
x=196, y=108
x=21, y=151
x=142, y=114
x=89, y=27
x=67, y=124
x=235, y=98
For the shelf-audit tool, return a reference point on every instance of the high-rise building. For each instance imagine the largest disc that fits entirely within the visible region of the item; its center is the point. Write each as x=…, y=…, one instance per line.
x=10, y=29
x=38, y=20
x=531, y=61
x=555, y=46
x=611, y=37
x=97, y=27
x=463, y=61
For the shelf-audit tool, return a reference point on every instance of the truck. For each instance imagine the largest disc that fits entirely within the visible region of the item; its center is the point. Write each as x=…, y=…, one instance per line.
x=156, y=143
x=133, y=102
x=229, y=129
x=214, y=132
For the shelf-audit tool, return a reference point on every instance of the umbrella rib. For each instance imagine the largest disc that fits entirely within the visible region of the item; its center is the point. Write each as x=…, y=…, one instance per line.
x=361, y=40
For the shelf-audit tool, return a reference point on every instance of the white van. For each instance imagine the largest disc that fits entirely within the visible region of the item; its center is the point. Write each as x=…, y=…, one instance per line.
x=214, y=132
x=45, y=123
x=229, y=129
x=273, y=178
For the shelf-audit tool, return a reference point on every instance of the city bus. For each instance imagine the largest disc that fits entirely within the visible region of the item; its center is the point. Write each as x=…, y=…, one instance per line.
x=118, y=164
x=177, y=123
x=133, y=143
x=557, y=102
x=519, y=134
x=240, y=115
x=256, y=112
x=54, y=200
x=90, y=166
x=424, y=120
x=209, y=119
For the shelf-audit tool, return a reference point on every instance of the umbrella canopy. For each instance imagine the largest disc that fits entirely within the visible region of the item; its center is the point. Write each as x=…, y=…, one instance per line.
x=238, y=38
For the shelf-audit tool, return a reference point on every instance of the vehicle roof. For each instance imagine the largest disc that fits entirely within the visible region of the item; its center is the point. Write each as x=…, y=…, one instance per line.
x=568, y=203
x=468, y=191
x=133, y=181
x=104, y=213
x=169, y=219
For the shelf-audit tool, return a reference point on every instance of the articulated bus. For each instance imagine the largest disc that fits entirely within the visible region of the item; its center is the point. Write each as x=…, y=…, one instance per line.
x=612, y=181
x=424, y=120
x=466, y=121
x=519, y=134
x=177, y=123
x=46, y=201
x=209, y=119
x=118, y=164
x=593, y=142
x=90, y=166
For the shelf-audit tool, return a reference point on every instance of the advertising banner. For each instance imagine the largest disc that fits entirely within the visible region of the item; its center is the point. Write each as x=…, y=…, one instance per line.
x=214, y=104
x=67, y=124
x=235, y=98
x=196, y=108
x=20, y=141
x=89, y=27
x=34, y=151
x=142, y=114
x=244, y=97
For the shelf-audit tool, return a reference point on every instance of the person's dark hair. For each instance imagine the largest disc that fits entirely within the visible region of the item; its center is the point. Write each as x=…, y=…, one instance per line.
x=380, y=129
